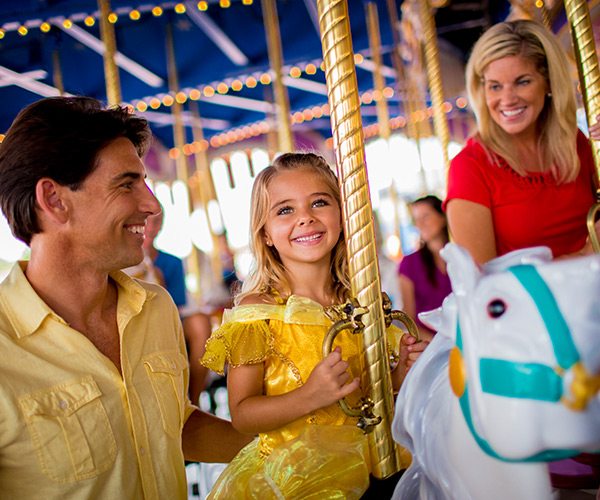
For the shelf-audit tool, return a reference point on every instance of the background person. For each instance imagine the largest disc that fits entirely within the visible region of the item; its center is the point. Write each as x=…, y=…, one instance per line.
x=168, y=270
x=93, y=376
x=422, y=275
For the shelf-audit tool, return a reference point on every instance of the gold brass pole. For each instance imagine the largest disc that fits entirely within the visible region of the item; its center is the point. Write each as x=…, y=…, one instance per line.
x=344, y=104
x=179, y=139
x=111, y=72
x=383, y=117
x=284, y=127
x=206, y=189
x=584, y=47
x=432, y=63
x=57, y=76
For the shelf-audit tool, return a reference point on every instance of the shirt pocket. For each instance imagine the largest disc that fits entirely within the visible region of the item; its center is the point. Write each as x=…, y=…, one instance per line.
x=70, y=430
x=165, y=370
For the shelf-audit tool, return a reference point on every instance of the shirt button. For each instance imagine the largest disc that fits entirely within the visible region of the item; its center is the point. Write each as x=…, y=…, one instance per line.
x=63, y=404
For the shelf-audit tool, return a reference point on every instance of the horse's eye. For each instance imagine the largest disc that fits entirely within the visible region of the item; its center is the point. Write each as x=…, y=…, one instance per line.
x=496, y=308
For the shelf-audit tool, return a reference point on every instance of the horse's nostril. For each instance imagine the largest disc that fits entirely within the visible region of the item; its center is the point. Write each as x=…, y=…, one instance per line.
x=496, y=308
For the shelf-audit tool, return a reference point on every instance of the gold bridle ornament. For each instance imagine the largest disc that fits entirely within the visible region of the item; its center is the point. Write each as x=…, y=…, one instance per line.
x=348, y=141
x=584, y=48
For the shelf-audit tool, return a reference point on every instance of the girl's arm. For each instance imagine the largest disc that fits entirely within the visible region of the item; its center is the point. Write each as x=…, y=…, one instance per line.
x=253, y=412
x=472, y=227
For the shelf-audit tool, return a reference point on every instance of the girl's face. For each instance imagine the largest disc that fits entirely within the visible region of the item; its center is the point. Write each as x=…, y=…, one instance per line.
x=303, y=220
x=430, y=223
x=515, y=93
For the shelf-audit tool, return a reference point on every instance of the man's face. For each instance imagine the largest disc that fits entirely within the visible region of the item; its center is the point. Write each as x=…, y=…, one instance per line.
x=109, y=211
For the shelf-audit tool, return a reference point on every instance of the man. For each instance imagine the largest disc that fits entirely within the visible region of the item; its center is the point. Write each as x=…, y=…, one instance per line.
x=93, y=376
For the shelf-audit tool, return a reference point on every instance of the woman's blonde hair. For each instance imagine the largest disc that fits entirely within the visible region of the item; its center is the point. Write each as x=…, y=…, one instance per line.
x=557, y=125
x=268, y=272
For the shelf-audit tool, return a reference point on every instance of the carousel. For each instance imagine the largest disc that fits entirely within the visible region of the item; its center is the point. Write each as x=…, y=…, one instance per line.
x=378, y=88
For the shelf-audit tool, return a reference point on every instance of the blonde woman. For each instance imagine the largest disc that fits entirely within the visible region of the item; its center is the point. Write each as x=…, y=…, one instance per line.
x=526, y=178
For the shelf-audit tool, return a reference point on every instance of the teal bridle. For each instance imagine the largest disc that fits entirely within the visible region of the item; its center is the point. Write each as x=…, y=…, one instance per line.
x=533, y=381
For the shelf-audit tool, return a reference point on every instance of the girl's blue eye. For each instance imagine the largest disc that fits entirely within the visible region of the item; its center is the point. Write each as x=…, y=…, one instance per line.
x=320, y=203
x=284, y=211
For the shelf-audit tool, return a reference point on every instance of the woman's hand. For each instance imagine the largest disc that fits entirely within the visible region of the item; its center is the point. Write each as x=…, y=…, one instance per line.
x=594, y=129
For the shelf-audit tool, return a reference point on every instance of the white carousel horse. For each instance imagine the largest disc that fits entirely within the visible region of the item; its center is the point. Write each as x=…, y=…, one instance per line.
x=509, y=382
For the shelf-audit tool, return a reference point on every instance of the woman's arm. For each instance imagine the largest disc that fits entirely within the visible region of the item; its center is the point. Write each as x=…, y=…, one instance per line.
x=471, y=226
x=253, y=412
x=407, y=292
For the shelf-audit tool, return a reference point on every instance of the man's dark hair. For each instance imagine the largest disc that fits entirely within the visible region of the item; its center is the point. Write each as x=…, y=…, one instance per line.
x=58, y=138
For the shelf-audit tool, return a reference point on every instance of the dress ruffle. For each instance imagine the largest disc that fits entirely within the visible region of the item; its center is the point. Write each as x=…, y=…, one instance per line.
x=238, y=344
x=322, y=463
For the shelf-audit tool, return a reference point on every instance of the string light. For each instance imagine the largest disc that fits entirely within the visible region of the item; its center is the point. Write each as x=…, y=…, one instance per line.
x=181, y=97
x=265, y=79
x=2, y=32
x=202, y=5
x=295, y=72
x=67, y=24
x=195, y=94
x=157, y=11
x=22, y=30
x=135, y=15
x=310, y=69
x=208, y=91
x=45, y=27
x=112, y=18
x=89, y=21
x=237, y=85
x=222, y=88
x=225, y=4
x=251, y=82
x=180, y=8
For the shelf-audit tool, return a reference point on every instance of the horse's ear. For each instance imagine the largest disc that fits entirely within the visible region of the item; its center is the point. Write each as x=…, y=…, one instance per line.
x=462, y=270
x=533, y=256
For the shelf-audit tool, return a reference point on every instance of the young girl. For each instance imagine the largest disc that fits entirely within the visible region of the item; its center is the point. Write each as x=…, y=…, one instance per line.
x=279, y=386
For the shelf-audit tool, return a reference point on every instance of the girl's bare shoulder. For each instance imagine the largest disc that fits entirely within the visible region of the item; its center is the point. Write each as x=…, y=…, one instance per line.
x=257, y=298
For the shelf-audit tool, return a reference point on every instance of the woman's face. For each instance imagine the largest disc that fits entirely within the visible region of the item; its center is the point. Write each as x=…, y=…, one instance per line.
x=430, y=223
x=515, y=94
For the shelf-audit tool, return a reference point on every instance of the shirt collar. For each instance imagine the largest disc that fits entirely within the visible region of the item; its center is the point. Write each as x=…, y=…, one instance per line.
x=26, y=311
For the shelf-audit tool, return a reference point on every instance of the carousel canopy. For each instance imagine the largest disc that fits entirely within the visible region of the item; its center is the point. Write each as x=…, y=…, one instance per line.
x=221, y=58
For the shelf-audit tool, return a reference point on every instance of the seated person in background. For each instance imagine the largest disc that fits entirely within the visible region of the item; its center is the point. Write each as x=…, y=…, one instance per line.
x=167, y=270
x=422, y=275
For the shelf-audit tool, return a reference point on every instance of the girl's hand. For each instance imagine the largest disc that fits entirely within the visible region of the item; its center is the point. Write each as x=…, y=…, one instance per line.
x=410, y=350
x=328, y=382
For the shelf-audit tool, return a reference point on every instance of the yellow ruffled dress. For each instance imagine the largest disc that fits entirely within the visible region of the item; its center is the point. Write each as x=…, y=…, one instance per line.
x=320, y=456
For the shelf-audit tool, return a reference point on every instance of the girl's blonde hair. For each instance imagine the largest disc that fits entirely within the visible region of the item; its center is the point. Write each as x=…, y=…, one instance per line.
x=556, y=125
x=268, y=272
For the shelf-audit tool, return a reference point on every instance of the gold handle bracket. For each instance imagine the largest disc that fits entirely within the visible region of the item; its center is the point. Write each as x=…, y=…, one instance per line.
x=348, y=317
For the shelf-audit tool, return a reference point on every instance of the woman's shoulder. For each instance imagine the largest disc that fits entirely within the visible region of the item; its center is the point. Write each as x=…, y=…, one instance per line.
x=410, y=261
x=473, y=152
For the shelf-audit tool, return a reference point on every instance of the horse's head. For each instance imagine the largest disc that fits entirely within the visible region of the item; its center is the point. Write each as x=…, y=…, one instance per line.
x=526, y=362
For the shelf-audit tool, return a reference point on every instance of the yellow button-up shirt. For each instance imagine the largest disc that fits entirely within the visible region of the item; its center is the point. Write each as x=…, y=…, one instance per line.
x=73, y=427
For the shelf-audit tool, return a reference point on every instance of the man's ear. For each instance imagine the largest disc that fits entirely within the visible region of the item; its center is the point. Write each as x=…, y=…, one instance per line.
x=48, y=194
